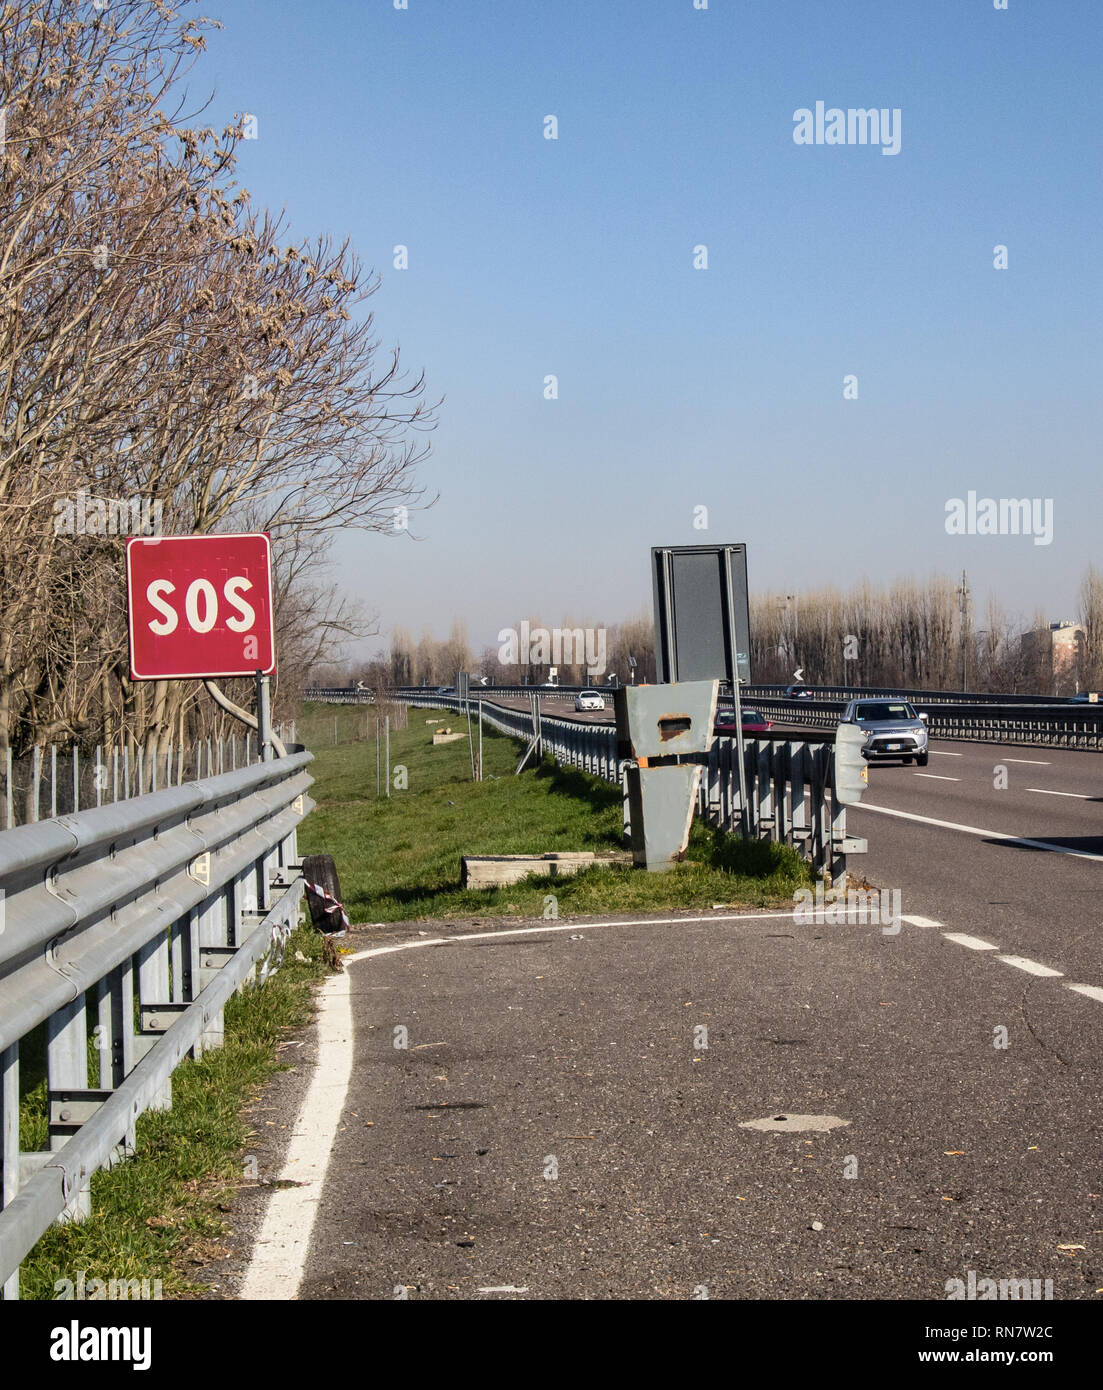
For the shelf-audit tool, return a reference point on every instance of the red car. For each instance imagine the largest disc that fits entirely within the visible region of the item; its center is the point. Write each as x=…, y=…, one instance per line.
x=753, y=722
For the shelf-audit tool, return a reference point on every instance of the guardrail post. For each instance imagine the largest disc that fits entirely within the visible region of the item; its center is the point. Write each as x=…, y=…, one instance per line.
x=765, y=787
x=9, y=1144
x=213, y=931
x=838, y=854
x=798, y=758
x=780, y=753
x=153, y=988
x=67, y=1070
x=818, y=782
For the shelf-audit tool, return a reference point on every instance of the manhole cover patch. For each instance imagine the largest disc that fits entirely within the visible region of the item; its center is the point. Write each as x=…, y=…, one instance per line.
x=793, y=1124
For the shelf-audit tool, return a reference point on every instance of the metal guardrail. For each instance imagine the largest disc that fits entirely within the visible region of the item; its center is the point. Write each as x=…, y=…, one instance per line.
x=941, y=697
x=145, y=917
x=788, y=781
x=1070, y=726
x=1034, y=721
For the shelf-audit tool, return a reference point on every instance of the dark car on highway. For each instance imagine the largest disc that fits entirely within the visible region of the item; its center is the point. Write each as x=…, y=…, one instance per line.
x=797, y=692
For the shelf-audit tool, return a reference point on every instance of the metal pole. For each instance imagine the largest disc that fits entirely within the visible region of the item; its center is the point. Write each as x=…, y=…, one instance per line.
x=744, y=825
x=378, y=754
x=264, y=717
x=387, y=724
x=480, y=740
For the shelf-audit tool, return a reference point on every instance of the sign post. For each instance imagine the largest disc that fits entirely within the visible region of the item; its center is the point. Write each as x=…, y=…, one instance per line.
x=702, y=626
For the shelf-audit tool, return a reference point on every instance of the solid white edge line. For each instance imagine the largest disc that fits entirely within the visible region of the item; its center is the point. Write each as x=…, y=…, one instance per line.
x=1030, y=966
x=282, y=1245
x=974, y=943
x=1092, y=991
x=984, y=834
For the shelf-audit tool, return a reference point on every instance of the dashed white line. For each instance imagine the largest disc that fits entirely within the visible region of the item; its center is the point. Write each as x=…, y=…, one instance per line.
x=984, y=834
x=934, y=777
x=1030, y=966
x=1034, y=762
x=936, y=753
x=1044, y=791
x=1092, y=991
x=915, y=921
x=974, y=943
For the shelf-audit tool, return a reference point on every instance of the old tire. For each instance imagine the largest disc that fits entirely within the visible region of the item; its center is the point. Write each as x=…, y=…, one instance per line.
x=319, y=869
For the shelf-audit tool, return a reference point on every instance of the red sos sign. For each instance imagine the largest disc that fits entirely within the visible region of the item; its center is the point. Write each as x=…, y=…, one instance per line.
x=200, y=606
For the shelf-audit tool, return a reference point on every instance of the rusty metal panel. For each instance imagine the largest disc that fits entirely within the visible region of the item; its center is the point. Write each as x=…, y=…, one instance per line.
x=660, y=838
x=662, y=721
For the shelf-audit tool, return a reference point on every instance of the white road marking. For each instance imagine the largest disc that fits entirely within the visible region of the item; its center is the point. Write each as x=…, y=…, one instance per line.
x=283, y=1243
x=1092, y=991
x=1042, y=791
x=985, y=834
x=974, y=943
x=915, y=921
x=934, y=777
x=505, y=1288
x=1034, y=762
x=570, y=926
x=936, y=753
x=1030, y=966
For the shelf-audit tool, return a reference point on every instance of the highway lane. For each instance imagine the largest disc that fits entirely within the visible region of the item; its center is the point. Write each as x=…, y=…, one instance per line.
x=1027, y=900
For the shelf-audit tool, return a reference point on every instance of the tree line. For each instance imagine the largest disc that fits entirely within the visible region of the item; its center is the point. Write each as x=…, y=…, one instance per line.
x=907, y=634
x=165, y=351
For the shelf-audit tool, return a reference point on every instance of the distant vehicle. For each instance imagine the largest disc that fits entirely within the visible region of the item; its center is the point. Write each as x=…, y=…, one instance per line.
x=589, y=699
x=1086, y=697
x=892, y=728
x=797, y=692
x=446, y=689
x=753, y=722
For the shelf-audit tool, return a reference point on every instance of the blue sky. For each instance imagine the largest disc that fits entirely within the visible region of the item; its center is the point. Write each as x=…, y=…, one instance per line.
x=723, y=387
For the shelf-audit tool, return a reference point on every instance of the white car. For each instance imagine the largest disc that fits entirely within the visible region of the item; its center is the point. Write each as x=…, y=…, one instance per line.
x=589, y=699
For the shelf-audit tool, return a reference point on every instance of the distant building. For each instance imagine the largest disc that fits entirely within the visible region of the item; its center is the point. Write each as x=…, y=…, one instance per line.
x=1060, y=643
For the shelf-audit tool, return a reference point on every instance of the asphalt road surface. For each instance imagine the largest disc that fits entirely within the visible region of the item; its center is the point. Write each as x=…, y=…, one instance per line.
x=573, y=1112
x=556, y=1126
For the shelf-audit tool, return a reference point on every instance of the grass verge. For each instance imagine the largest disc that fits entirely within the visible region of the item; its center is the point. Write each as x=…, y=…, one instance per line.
x=399, y=858
x=159, y=1215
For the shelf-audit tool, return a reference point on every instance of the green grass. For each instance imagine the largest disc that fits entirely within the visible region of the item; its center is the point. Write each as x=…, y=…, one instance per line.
x=158, y=1215
x=399, y=858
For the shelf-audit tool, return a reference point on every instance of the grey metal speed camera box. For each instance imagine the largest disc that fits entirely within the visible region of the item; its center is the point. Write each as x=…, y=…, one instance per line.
x=663, y=721
x=702, y=613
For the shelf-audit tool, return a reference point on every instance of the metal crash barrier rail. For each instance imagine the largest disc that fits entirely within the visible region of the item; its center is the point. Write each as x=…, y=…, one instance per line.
x=129, y=927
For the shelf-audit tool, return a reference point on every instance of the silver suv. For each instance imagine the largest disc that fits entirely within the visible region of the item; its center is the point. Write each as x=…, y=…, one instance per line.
x=892, y=729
